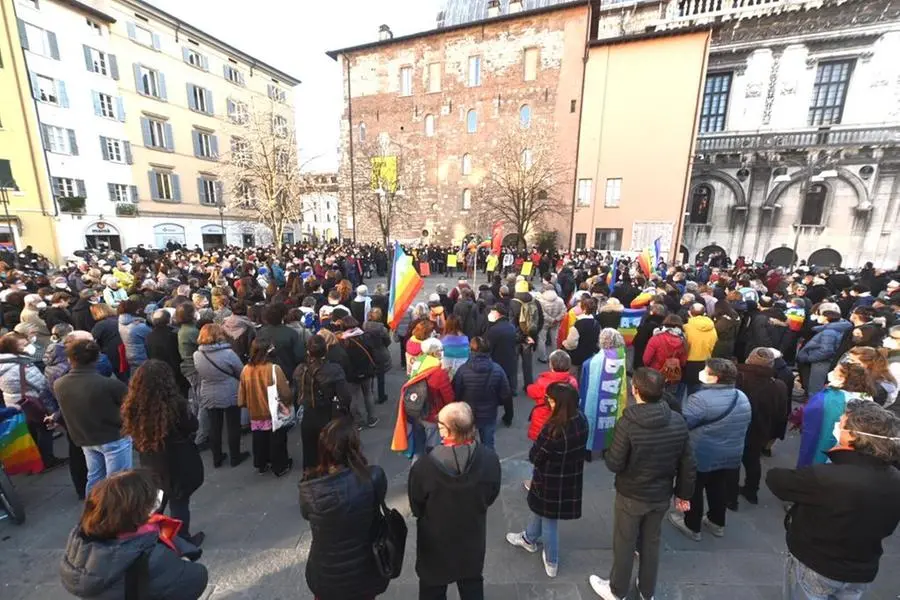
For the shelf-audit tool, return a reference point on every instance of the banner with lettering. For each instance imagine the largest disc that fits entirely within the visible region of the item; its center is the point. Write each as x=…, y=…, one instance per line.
x=604, y=395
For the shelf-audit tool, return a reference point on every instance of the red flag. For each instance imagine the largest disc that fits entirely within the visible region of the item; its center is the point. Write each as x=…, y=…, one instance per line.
x=497, y=237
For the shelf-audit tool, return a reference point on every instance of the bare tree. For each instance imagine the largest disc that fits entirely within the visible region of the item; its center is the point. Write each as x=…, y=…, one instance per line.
x=260, y=169
x=525, y=179
x=386, y=176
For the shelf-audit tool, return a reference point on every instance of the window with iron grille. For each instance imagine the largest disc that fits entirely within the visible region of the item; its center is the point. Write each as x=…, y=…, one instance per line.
x=830, y=92
x=715, y=102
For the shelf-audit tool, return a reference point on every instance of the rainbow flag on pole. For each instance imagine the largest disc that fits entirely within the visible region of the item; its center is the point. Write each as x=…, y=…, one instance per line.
x=18, y=452
x=649, y=258
x=405, y=284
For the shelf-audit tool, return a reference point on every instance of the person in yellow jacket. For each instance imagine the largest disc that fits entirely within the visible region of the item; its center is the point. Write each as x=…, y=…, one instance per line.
x=122, y=273
x=700, y=334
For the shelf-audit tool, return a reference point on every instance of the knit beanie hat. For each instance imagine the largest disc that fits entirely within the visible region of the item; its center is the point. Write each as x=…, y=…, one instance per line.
x=761, y=356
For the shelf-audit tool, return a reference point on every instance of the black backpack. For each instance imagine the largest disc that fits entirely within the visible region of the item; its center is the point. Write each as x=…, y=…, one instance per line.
x=415, y=399
x=362, y=364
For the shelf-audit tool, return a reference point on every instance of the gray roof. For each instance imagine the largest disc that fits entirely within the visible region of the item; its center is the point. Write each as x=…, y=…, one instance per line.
x=457, y=12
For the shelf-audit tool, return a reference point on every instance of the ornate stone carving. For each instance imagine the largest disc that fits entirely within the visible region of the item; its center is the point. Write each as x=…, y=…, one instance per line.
x=754, y=89
x=788, y=88
x=770, y=92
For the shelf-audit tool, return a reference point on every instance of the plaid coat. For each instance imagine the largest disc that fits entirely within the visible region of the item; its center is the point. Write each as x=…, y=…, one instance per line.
x=558, y=471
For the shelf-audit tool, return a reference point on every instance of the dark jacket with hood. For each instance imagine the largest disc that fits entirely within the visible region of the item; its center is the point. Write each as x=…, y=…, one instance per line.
x=842, y=511
x=340, y=508
x=651, y=448
x=643, y=335
x=501, y=335
x=330, y=378
x=162, y=344
x=768, y=403
x=450, y=491
x=289, y=351
x=81, y=315
x=106, y=334
x=96, y=569
x=515, y=309
x=483, y=385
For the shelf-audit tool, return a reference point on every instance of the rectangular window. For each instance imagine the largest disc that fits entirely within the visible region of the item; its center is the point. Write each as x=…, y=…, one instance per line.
x=531, y=64
x=608, y=239
x=474, y=78
x=209, y=191
x=200, y=99
x=118, y=192
x=584, y=191
x=204, y=145
x=233, y=75
x=434, y=77
x=94, y=26
x=830, y=92
x=157, y=134
x=148, y=82
x=164, y=188
x=58, y=139
x=240, y=152
x=277, y=94
x=194, y=58
x=47, y=90
x=406, y=81
x=106, y=106
x=580, y=241
x=40, y=41
x=98, y=61
x=237, y=112
x=114, y=150
x=144, y=36
x=65, y=187
x=279, y=126
x=613, y=193
x=715, y=102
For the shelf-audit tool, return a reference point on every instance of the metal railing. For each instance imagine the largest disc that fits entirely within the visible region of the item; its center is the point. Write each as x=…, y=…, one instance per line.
x=885, y=135
x=692, y=9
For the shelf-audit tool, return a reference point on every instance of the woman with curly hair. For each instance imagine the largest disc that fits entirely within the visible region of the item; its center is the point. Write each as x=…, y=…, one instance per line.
x=162, y=430
x=876, y=365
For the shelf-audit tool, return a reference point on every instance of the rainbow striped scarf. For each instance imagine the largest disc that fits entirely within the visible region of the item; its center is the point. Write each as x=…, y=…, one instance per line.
x=18, y=452
x=604, y=395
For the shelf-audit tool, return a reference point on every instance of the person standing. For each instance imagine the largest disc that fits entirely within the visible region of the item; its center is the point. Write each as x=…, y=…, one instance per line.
x=843, y=510
x=162, y=344
x=700, y=334
x=583, y=336
x=717, y=417
x=526, y=314
x=651, y=321
x=339, y=498
x=91, y=406
x=554, y=310
x=450, y=491
x=482, y=384
x=380, y=337
x=156, y=417
x=269, y=446
x=651, y=448
x=501, y=338
x=289, y=350
x=556, y=482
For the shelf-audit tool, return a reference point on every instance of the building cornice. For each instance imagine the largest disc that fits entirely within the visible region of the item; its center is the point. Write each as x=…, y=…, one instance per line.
x=89, y=10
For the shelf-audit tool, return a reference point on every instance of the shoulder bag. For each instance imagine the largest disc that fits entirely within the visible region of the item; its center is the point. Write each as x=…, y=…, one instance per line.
x=218, y=368
x=722, y=416
x=388, y=539
x=32, y=407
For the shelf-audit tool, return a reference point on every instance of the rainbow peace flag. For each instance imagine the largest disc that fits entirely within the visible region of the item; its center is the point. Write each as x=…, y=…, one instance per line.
x=18, y=452
x=628, y=325
x=405, y=284
x=613, y=274
x=649, y=258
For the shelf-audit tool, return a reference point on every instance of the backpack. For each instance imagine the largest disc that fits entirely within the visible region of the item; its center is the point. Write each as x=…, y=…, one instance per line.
x=528, y=316
x=671, y=370
x=362, y=365
x=415, y=399
x=311, y=393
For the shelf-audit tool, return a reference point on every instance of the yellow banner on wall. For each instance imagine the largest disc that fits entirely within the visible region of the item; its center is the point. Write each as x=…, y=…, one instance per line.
x=384, y=173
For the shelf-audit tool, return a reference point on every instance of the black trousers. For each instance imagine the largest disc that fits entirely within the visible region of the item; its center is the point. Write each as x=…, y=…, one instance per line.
x=382, y=395
x=310, y=428
x=714, y=483
x=752, y=461
x=43, y=439
x=77, y=468
x=231, y=417
x=270, y=448
x=179, y=508
x=469, y=589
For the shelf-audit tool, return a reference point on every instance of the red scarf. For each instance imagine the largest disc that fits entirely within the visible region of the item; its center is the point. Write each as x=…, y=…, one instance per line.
x=165, y=527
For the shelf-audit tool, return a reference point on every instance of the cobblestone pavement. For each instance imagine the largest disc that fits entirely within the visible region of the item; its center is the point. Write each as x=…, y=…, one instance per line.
x=257, y=543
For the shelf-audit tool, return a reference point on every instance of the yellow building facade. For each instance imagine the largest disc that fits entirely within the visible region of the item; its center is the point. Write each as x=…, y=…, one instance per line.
x=23, y=172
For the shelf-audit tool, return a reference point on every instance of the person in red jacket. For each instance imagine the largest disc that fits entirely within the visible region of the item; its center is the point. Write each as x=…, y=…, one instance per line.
x=440, y=394
x=666, y=342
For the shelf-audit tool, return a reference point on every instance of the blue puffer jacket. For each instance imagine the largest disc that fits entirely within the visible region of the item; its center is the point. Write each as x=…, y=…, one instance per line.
x=718, y=445
x=133, y=331
x=219, y=369
x=483, y=384
x=824, y=343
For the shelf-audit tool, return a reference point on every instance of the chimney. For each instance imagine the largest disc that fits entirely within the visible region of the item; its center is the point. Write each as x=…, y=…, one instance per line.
x=493, y=8
x=385, y=33
x=515, y=6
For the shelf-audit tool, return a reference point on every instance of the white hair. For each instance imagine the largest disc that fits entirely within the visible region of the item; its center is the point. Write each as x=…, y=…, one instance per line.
x=362, y=290
x=432, y=346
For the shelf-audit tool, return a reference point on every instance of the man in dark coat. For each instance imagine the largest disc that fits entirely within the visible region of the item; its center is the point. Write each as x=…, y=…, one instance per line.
x=450, y=491
x=501, y=338
x=483, y=385
x=289, y=348
x=162, y=344
x=649, y=323
x=843, y=510
x=650, y=450
x=81, y=311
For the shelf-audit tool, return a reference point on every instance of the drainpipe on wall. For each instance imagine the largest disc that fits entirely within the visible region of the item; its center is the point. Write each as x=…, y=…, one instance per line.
x=352, y=165
x=584, y=63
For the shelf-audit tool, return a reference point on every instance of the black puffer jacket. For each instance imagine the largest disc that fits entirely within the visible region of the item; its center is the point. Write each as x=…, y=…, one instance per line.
x=340, y=509
x=106, y=334
x=650, y=449
x=96, y=569
x=81, y=315
x=482, y=383
x=644, y=333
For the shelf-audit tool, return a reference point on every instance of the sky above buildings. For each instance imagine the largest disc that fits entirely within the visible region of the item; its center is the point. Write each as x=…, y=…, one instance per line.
x=293, y=35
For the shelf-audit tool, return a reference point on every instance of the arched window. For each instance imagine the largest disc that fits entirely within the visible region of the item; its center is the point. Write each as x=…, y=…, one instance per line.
x=472, y=121
x=701, y=200
x=467, y=199
x=814, y=205
x=525, y=115
x=429, y=125
x=466, y=164
x=527, y=158
x=362, y=133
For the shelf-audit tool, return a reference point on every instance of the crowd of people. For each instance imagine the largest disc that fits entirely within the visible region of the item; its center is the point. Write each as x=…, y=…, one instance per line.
x=140, y=361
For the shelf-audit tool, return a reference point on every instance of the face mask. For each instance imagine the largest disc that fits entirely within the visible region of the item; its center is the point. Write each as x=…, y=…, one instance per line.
x=40, y=305
x=126, y=268
x=29, y=350
x=492, y=317
x=704, y=378
x=891, y=343
x=94, y=301
x=836, y=432
x=62, y=286
x=834, y=380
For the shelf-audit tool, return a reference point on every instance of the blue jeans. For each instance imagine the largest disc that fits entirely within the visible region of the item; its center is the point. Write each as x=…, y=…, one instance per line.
x=549, y=528
x=425, y=436
x=106, y=459
x=802, y=583
x=486, y=433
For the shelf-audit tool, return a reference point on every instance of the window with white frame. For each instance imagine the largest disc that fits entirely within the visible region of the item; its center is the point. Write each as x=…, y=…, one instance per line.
x=467, y=164
x=94, y=26
x=165, y=189
x=471, y=121
x=157, y=134
x=98, y=61
x=114, y=150
x=66, y=187
x=429, y=125
x=149, y=82
x=107, y=108
x=245, y=193
x=58, y=139
x=362, y=133
x=193, y=58
x=40, y=41
x=47, y=90
x=118, y=192
x=527, y=158
x=205, y=147
x=584, y=192
x=406, y=81
x=279, y=126
x=613, y=193
x=234, y=75
x=240, y=152
x=277, y=94
x=142, y=35
x=238, y=112
x=474, y=78
x=200, y=99
x=209, y=191
x=466, y=199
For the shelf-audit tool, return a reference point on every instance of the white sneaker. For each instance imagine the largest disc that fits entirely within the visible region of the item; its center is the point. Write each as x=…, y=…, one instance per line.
x=518, y=539
x=716, y=530
x=548, y=566
x=677, y=519
x=637, y=584
x=601, y=588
